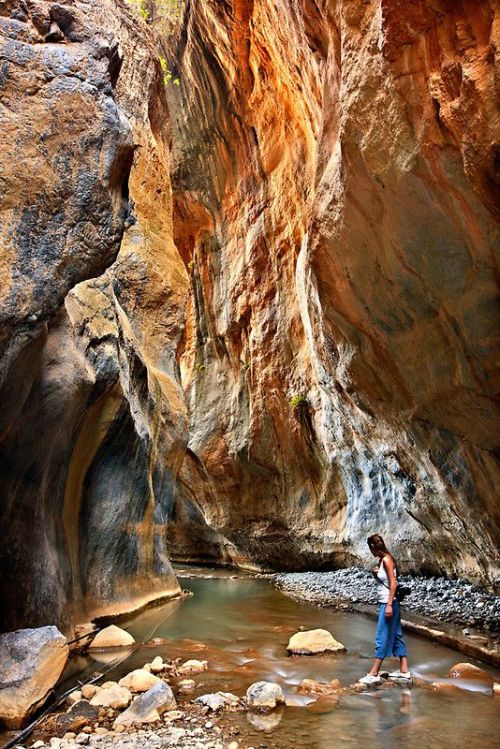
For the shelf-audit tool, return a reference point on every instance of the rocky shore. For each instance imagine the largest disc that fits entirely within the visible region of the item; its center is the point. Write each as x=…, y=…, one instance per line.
x=439, y=598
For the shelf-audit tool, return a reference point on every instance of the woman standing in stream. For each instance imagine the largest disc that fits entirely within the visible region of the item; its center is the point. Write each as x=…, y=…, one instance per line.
x=389, y=635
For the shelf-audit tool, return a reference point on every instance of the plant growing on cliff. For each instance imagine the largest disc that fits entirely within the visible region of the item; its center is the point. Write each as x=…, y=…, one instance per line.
x=167, y=74
x=298, y=401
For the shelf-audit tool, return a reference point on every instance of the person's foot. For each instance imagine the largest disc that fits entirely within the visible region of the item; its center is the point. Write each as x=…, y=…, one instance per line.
x=400, y=675
x=369, y=679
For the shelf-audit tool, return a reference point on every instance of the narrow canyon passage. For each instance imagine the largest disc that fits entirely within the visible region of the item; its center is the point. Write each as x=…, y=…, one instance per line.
x=249, y=308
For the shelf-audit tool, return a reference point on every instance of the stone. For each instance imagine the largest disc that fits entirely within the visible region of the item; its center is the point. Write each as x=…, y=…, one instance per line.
x=192, y=666
x=77, y=717
x=310, y=686
x=75, y=696
x=264, y=694
x=89, y=690
x=157, y=665
x=117, y=697
x=109, y=685
x=314, y=641
x=186, y=685
x=218, y=700
x=496, y=688
x=83, y=739
x=148, y=706
x=31, y=661
x=470, y=672
x=111, y=637
x=139, y=680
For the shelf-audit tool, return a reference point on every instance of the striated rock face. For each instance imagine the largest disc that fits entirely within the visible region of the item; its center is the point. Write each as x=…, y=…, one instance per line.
x=335, y=191
x=92, y=421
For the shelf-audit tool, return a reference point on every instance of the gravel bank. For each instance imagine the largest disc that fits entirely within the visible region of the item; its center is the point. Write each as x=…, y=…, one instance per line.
x=186, y=737
x=438, y=598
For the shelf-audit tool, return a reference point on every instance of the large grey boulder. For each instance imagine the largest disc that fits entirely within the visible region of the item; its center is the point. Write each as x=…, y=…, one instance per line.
x=148, y=707
x=31, y=661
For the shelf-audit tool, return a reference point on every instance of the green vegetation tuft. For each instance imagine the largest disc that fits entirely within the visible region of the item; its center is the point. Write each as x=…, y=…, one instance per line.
x=298, y=401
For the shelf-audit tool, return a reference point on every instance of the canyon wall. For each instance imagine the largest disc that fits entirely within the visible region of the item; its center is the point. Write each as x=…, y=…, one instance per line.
x=336, y=197
x=92, y=418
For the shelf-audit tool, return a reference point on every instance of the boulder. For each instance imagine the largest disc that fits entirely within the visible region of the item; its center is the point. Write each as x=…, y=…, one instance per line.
x=148, y=707
x=31, y=661
x=192, y=667
x=115, y=697
x=218, y=700
x=264, y=694
x=79, y=715
x=111, y=637
x=471, y=673
x=310, y=686
x=139, y=680
x=314, y=641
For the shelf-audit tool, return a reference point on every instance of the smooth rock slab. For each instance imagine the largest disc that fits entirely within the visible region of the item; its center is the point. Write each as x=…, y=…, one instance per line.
x=111, y=637
x=148, y=707
x=264, y=694
x=310, y=686
x=313, y=642
x=471, y=672
x=139, y=680
x=31, y=661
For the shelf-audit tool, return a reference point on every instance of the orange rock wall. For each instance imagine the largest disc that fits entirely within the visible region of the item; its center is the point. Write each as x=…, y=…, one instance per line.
x=335, y=185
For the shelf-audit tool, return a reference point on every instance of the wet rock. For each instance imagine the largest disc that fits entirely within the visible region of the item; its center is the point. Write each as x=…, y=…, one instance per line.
x=218, y=700
x=470, y=672
x=31, y=661
x=78, y=716
x=314, y=641
x=264, y=694
x=192, y=666
x=496, y=688
x=325, y=704
x=111, y=637
x=117, y=697
x=149, y=706
x=139, y=680
x=309, y=686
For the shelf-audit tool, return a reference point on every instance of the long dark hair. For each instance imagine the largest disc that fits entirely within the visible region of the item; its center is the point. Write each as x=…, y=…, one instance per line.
x=377, y=544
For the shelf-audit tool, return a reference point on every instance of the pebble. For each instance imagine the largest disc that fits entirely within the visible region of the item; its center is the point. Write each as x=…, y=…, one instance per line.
x=439, y=598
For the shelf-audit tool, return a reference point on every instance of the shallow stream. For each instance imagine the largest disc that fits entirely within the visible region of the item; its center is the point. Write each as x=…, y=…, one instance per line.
x=242, y=626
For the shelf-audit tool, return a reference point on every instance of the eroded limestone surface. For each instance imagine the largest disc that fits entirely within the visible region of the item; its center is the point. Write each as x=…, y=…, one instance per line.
x=335, y=195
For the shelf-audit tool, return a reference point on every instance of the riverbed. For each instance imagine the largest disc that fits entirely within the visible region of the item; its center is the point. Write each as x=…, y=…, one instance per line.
x=241, y=626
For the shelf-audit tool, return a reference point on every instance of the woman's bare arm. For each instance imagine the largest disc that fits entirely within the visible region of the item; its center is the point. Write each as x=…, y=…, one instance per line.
x=388, y=563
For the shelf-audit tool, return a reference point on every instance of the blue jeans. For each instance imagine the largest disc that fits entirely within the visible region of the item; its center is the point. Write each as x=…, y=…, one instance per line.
x=389, y=635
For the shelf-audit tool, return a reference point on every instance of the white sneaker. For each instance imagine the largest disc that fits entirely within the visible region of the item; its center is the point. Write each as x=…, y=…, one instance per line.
x=369, y=679
x=400, y=675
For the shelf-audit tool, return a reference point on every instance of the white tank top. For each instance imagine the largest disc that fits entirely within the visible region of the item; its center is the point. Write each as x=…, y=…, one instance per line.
x=382, y=581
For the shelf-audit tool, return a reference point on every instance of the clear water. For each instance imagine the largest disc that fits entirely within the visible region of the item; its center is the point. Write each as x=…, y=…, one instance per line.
x=241, y=626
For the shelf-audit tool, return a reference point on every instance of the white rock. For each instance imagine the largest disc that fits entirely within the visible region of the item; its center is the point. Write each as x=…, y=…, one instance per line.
x=74, y=697
x=147, y=707
x=218, y=700
x=157, y=665
x=111, y=637
x=192, y=667
x=264, y=694
x=139, y=680
x=314, y=641
x=115, y=697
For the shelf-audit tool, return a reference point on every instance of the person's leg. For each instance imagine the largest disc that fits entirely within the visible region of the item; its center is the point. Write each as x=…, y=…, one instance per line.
x=380, y=641
x=399, y=647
